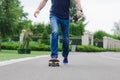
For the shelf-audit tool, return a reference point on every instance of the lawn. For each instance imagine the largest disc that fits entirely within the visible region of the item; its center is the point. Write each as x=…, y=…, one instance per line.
x=12, y=54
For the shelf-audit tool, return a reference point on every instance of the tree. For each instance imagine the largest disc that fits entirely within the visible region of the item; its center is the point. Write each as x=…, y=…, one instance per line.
x=24, y=24
x=77, y=29
x=73, y=17
x=100, y=34
x=48, y=28
x=11, y=14
x=45, y=38
x=116, y=28
x=38, y=29
x=77, y=25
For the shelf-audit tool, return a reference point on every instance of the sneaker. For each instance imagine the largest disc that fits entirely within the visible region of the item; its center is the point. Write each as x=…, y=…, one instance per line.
x=65, y=60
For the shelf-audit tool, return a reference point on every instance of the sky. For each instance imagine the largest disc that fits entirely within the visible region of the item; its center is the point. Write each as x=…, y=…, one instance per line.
x=100, y=14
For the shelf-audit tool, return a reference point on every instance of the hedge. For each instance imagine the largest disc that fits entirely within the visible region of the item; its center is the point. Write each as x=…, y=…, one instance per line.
x=36, y=46
x=90, y=48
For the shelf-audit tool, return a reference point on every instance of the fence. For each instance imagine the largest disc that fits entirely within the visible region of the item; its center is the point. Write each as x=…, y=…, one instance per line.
x=110, y=43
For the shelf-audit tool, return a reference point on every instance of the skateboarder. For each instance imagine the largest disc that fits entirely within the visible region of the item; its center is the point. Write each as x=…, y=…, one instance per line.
x=59, y=16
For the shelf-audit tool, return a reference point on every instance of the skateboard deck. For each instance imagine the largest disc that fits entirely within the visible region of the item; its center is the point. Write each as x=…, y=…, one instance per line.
x=54, y=63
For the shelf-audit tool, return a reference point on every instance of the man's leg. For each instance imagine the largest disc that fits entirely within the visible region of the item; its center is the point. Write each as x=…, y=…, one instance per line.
x=65, y=37
x=54, y=38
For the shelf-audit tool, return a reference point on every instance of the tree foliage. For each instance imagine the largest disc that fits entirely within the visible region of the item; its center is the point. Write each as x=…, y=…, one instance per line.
x=77, y=29
x=38, y=29
x=11, y=13
x=116, y=28
x=100, y=34
x=73, y=17
x=77, y=25
x=48, y=28
x=45, y=38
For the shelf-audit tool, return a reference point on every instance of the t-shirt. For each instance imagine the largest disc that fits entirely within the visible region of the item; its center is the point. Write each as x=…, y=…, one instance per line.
x=60, y=8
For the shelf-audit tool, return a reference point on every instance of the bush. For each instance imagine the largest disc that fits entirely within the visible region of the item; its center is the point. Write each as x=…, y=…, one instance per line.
x=39, y=46
x=77, y=29
x=114, y=50
x=33, y=46
x=43, y=47
x=10, y=45
x=89, y=49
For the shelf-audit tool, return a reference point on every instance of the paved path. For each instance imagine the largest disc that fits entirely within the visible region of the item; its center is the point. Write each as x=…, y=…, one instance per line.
x=82, y=66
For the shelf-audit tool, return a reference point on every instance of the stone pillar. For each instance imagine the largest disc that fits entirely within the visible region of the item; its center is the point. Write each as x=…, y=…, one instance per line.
x=74, y=48
x=91, y=37
x=111, y=44
x=85, y=39
x=118, y=43
x=105, y=42
x=108, y=42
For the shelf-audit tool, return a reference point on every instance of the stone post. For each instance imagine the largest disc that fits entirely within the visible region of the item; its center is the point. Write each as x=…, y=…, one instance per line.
x=105, y=42
x=91, y=37
x=74, y=48
x=85, y=39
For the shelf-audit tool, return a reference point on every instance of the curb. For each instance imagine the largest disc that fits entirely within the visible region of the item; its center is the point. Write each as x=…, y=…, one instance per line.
x=12, y=61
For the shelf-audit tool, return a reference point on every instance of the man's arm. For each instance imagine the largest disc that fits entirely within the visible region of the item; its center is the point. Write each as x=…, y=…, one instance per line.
x=79, y=9
x=41, y=5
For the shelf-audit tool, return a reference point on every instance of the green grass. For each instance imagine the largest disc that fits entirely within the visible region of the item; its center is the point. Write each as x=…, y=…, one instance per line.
x=12, y=54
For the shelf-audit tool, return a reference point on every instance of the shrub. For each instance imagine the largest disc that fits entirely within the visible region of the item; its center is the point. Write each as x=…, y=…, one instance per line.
x=10, y=45
x=43, y=47
x=90, y=49
x=39, y=46
x=114, y=50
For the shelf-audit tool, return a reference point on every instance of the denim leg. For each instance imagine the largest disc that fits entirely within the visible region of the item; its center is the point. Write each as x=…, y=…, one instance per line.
x=54, y=36
x=65, y=37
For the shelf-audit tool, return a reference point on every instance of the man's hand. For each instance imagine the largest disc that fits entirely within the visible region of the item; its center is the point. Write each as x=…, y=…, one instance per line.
x=36, y=13
x=79, y=14
x=41, y=5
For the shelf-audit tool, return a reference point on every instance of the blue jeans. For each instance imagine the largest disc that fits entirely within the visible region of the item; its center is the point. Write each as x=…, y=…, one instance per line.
x=55, y=23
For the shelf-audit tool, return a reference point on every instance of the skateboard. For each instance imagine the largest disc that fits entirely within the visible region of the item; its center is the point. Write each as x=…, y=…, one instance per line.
x=54, y=63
